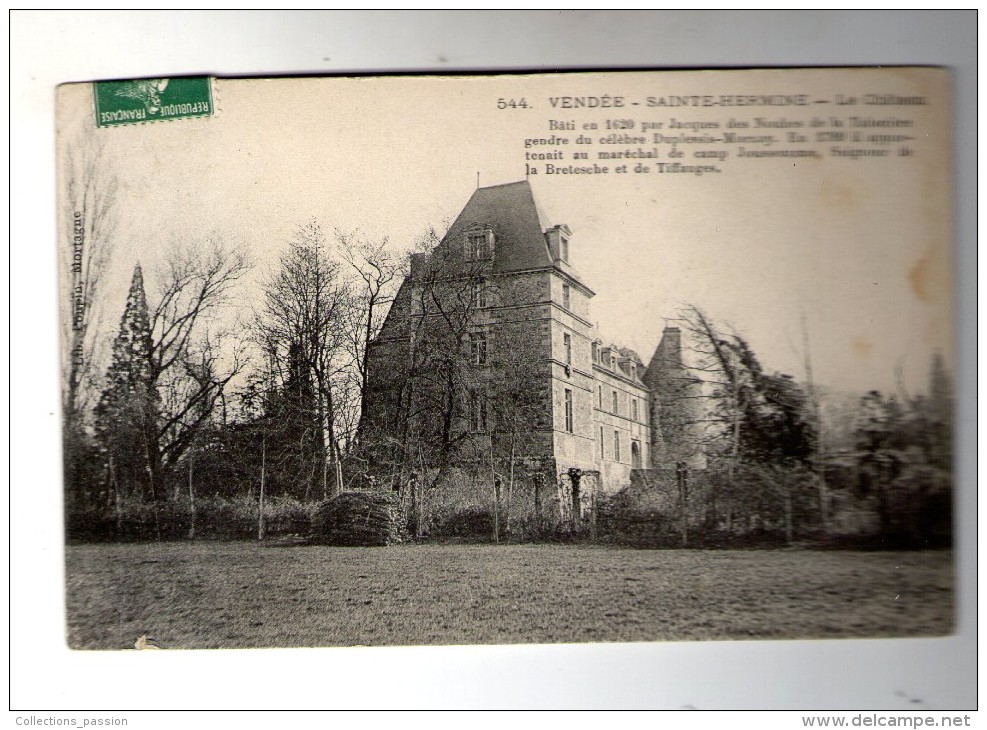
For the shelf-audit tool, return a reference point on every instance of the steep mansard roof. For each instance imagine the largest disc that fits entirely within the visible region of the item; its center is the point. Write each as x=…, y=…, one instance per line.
x=517, y=224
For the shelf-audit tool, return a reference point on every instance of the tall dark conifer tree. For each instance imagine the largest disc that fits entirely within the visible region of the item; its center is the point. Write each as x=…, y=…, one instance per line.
x=126, y=416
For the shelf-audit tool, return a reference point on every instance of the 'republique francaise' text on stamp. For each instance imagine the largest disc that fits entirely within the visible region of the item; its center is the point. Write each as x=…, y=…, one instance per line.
x=151, y=100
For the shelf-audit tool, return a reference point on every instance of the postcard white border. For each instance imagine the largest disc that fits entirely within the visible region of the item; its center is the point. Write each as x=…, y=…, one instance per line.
x=60, y=46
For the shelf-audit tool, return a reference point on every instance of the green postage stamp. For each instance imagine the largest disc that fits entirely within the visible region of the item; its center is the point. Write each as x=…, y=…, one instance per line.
x=151, y=100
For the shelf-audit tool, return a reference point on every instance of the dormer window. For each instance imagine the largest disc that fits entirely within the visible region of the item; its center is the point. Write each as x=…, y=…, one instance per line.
x=479, y=244
x=558, y=242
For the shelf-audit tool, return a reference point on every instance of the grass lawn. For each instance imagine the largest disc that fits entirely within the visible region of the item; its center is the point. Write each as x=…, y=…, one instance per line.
x=237, y=594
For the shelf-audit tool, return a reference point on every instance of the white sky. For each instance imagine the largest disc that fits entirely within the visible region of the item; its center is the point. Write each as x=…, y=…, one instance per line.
x=758, y=246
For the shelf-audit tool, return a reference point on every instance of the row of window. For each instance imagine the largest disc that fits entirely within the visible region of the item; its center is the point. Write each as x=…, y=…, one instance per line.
x=478, y=354
x=480, y=300
x=615, y=403
x=570, y=424
x=635, y=448
x=478, y=423
x=479, y=245
x=478, y=350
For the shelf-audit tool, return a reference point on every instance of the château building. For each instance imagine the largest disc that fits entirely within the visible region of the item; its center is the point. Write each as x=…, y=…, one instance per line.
x=489, y=352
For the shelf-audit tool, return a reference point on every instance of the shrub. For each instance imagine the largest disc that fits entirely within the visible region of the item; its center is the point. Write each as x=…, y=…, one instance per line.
x=358, y=518
x=217, y=518
x=471, y=523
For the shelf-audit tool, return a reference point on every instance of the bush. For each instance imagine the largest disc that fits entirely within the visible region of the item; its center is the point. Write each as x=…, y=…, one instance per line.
x=216, y=518
x=471, y=523
x=358, y=519
x=921, y=512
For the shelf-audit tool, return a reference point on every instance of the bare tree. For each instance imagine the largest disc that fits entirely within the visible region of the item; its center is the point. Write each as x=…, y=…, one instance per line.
x=429, y=368
x=86, y=244
x=303, y=330
x=816, y=414
x=726, y=391
x=754, y=416
x=194, y=353
x=516, y=388
x=376, y=269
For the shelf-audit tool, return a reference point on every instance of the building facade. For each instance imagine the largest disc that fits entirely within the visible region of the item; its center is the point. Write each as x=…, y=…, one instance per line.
x=489, y=354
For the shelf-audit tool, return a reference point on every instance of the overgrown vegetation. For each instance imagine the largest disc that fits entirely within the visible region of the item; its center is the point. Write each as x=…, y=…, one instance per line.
x=202, y=418
x=779, y=471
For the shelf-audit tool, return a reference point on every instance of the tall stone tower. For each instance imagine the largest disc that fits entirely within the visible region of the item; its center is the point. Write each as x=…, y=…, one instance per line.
x=676, y=427
x=500, y=289
x=489, y=352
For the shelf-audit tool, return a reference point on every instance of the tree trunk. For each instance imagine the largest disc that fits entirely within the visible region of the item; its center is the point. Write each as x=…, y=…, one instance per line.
x=496, y=514
x=789, y=532
x=592, y=514
x=510, y=485
x=263, y=470
x=326, y=437
x=413, y=506
x=814, y=403
x=191, y=501
x=683, y=512
x=574, y=479
x=734, y=458
x=339, y=467
x=325, y=469
x=117, y=501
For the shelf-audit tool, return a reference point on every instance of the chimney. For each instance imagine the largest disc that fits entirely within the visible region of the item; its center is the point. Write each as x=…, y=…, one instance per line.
x=670, y=347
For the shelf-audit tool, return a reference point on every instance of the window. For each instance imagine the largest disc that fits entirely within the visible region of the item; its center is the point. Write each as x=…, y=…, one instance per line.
x=596, y=352
x=600, y=388
x=478, y=413
x=615, y=410
x=566, y=296
x=634, y=409
x=603, y=445
x=480, y=294
x=616, y=445
x=568, y=410
x=567, y=344
x=478, y=347
x=479, y=245
x=636, y=454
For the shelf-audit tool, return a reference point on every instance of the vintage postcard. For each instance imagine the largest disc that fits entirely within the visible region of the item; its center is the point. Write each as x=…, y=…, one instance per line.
x=580, y=357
